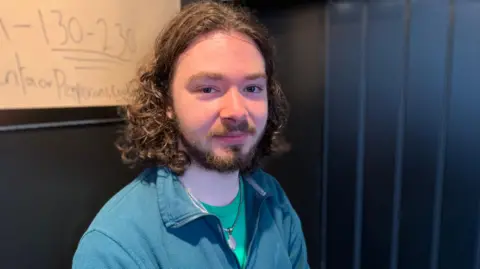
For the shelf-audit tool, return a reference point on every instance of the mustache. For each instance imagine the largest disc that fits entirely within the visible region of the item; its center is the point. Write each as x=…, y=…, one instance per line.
x=231, y=126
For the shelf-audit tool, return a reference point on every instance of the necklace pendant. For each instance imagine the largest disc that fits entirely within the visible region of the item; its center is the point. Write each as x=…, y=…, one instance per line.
x=231, y=242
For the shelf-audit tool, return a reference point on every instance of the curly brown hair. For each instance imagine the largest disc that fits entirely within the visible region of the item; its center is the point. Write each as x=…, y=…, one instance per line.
x=149, y=136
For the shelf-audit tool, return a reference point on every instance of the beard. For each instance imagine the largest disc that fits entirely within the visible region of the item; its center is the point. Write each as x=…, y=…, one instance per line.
x=223, y=164
x=235, y=159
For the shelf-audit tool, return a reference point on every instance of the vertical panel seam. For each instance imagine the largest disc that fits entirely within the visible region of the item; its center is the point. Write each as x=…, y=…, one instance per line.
x=440, y=171
x=324, y=208
x=357, y=251
x=400, y=137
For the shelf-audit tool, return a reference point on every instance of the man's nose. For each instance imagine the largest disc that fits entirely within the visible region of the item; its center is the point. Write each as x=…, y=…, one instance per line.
x=233, y=106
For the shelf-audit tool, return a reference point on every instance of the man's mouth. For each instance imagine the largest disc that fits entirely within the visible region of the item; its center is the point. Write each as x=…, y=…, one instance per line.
x=232, y=138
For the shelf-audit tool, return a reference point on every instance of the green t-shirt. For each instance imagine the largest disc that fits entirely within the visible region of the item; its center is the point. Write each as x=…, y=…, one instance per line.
x=227, y=215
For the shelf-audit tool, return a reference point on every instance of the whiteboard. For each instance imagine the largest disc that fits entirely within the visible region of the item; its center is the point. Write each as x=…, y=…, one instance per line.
x=72, y=53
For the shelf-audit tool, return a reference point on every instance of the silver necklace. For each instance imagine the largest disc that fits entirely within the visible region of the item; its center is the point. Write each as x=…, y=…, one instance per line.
x=232, y=243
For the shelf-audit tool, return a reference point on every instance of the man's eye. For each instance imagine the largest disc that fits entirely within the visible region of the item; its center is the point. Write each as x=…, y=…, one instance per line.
x=208, y=90
x=253, y=89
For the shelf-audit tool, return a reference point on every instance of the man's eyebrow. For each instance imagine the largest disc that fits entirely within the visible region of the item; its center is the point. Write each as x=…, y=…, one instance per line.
x=205, y=75
x=255, y=76
x=218, y=76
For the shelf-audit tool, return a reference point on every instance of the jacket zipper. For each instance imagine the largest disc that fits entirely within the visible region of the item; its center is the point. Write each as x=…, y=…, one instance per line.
x=249, y=250
x=225, y=243
x=198, y=205
x=219, y=226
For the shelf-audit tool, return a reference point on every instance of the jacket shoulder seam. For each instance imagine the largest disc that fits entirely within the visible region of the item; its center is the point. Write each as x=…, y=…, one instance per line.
x=120, y=245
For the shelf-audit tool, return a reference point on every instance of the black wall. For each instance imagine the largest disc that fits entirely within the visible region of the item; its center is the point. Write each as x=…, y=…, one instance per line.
x=402, y=127
x=393, y=85
x=300, y=41
x=52, y=183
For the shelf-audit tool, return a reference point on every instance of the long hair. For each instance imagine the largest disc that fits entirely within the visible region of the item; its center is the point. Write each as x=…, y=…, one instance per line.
x=149, y=137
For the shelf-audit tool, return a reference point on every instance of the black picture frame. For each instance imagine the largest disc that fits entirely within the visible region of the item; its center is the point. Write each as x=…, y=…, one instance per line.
x=20, y=119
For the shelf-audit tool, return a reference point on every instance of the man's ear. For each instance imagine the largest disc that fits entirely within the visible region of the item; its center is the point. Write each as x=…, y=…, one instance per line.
x=170, y=112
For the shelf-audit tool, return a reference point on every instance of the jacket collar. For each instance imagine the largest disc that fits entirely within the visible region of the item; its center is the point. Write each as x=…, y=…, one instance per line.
x=174, y=203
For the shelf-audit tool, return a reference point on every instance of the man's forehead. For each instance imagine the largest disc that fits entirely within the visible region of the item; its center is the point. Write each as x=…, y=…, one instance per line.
x=222, y=56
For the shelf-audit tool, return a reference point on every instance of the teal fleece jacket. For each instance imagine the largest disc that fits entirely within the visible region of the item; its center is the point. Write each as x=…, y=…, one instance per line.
x=152, y=223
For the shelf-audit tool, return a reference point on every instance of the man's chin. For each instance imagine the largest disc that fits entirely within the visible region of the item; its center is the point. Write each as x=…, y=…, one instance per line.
x=225, y=157
x=219, y=158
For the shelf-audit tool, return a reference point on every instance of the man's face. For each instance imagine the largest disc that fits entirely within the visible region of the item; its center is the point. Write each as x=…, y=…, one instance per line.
x=220, y=100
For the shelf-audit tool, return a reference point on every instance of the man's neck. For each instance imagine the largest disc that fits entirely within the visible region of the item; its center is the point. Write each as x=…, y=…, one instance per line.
x=211, y=187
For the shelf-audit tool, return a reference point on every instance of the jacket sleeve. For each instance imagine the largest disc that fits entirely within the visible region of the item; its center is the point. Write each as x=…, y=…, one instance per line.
x=297, y=248
x=97, y=250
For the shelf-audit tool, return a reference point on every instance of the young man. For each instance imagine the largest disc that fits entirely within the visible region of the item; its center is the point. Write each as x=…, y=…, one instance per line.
x=207, y=109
